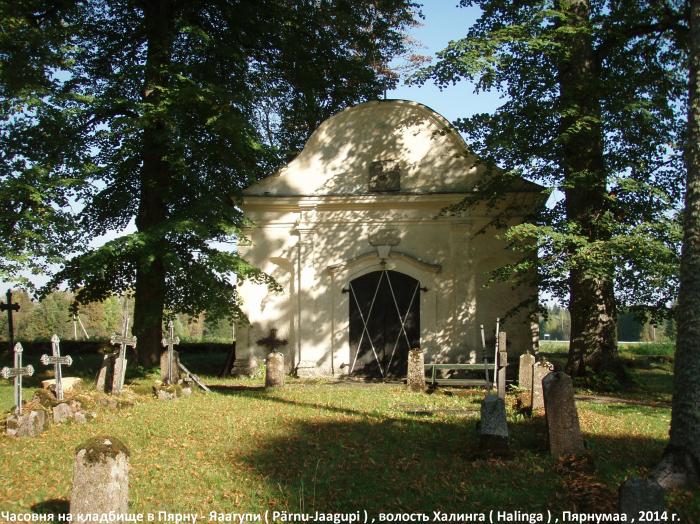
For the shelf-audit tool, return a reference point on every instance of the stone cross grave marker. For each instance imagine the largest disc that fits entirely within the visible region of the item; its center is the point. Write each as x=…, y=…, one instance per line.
x=17, y=372
x=10, y=308
x=57, y=360
x=271, y=342
x=170, y=342
x=124, y=341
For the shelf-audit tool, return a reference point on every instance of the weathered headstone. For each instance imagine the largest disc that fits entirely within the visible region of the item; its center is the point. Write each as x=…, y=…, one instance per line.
x=100, y=478
x=493, y=426
x=540, y=370
x=415, y=377
x=274, y=370
x=525, y=371
x=105, y=377
x=166, y=359
x=562, y=417
x=17, y=372
x=57, y=360
x=636, y=495
x=28, y=425
x=62, y=413
x=169, y=371
x=124, y=341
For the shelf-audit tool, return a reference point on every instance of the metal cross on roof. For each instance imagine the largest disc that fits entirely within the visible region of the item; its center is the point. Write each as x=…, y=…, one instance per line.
x=57, y=360
x=17, y=372
x=124, y=341
x=10, y=308
x=170, y=342
x=271, y=341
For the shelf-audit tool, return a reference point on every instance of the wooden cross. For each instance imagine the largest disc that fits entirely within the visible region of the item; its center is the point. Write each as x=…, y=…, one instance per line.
x=10, y=307
x=57, y=360
x=124, y=341
x=17, y=373
x=170, y=342
x=271, y=341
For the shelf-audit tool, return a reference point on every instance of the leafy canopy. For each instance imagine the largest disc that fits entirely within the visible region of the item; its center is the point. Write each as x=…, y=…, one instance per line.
x=639, y=78
x=237, y=79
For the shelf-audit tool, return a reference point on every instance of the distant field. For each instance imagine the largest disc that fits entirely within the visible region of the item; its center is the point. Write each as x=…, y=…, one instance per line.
x=627, y=349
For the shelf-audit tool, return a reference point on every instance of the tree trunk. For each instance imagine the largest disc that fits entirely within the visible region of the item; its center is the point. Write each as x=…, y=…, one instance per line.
x=155, y=174
x=681, y=462
x=593, y=340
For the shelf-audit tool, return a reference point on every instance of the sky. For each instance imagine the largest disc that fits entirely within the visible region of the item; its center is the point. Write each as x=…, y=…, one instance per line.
x=444, y=21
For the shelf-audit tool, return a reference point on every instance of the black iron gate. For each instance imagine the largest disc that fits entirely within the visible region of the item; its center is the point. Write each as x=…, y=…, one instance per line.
x=384, y=323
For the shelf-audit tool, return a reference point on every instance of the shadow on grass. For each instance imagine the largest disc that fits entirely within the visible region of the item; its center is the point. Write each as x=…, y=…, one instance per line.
x=417, y=464
x=55, y=507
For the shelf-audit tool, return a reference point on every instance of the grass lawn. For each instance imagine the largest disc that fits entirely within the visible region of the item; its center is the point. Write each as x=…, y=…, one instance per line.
x=338, y=447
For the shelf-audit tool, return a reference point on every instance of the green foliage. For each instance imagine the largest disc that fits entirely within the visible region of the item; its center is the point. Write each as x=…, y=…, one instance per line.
x=150, y=113
x=635, y=92
x=36, y=224
x=53, y=314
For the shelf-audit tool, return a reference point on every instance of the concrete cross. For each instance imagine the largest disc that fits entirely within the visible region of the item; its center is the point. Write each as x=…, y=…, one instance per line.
x=10, y=308
x=170, y=342
x=124, y=341
x=57, y=360
x=17, y=372
x=271, y=341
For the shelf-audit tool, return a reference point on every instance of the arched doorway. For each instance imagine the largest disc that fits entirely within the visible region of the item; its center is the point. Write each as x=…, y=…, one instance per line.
x=384, y=323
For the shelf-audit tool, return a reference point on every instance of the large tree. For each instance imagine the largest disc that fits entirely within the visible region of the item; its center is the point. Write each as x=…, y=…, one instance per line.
x=681, y=463
x=154, y=110
x=592, y=91
x=36, y=226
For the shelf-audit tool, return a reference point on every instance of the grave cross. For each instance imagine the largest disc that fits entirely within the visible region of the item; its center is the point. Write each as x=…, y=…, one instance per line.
x=10, y=307
x=57, y=360
x=271, y=341
x=170, y=342
x=124, y=341
x=17, y=373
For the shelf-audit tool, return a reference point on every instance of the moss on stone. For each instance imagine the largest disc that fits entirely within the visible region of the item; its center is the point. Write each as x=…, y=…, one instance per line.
x=173, y=389
x=46, y=398
x=99, y=449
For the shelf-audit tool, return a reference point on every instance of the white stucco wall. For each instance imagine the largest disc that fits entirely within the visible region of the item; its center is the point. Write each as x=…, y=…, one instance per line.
x=315, y=222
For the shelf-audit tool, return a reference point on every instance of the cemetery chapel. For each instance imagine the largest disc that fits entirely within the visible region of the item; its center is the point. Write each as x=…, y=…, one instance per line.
x=370, y=265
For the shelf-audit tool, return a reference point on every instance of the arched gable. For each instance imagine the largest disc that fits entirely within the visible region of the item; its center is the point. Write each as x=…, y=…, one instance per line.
x=366, y=148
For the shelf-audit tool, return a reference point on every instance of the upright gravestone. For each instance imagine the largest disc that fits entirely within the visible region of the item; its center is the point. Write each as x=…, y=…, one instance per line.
x=124, y=341
x=169, y=369
x=540, y=370
x=100, y=478
x=57, y=360
x=562, y=417
x=525, y=371
x=274, y=369
x=415, y=376
x=105, y=377
x=493, y=426
x=640, y=495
